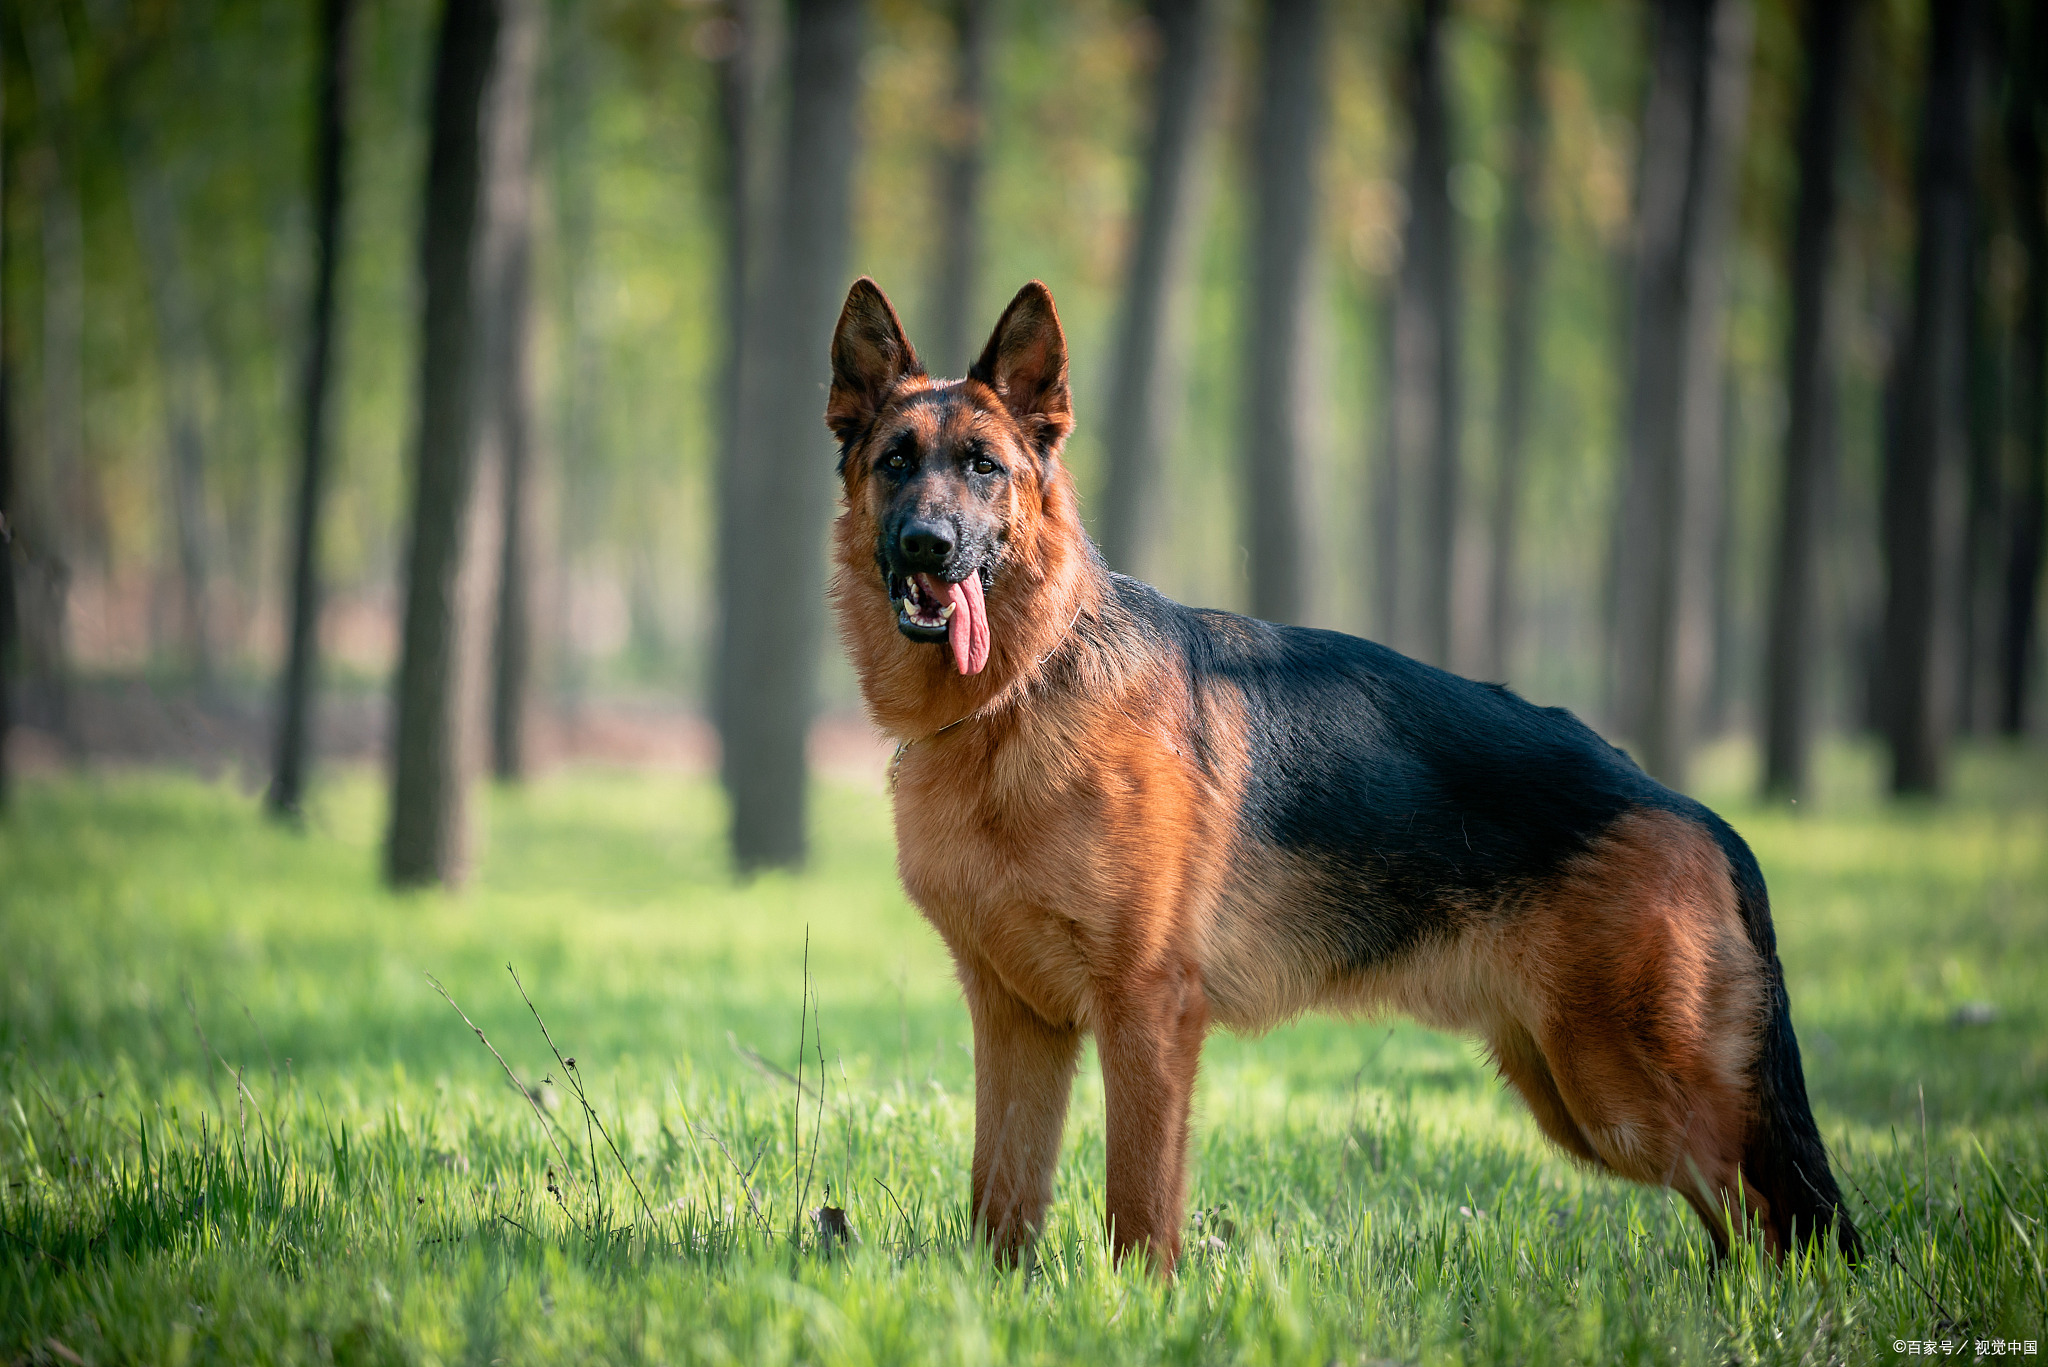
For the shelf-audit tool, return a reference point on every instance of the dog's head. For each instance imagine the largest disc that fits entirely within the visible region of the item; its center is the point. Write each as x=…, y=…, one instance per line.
x=946, y=472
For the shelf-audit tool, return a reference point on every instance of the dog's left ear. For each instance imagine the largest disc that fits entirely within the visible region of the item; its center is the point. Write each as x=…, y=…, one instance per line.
x=869, y=355
x=1025, y=363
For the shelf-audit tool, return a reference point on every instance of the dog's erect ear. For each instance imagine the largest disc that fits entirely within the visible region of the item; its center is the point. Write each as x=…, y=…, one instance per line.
x=1025, y=362
x=869, y=355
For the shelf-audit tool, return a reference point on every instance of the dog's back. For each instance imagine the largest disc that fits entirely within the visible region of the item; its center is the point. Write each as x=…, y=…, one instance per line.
x=1133, y=819
x=1447, y=847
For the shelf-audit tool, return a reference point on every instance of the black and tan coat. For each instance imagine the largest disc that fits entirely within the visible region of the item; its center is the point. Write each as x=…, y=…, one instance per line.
x=1137, y=820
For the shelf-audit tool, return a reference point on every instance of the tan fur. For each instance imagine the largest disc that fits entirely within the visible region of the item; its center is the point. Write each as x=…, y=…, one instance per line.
x=1086, y=869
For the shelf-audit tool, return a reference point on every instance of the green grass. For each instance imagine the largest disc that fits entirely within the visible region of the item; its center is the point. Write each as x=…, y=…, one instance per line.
x=237, y=1124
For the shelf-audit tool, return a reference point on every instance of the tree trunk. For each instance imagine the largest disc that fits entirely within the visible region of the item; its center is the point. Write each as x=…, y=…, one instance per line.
x=296, y=696
x=1923, y=492
x=1985, y=358
x=1978, y=574
x=8, y=632
x=2024, y=540
x=581, y=393
x=1385, y=516
x=1692, y=124
x=428, y=841
x=774, y=541
x=1520, y=263
x=1145, y=366
x=1808, y=471
x=505, y=418
x=963, y=140
x=739, y=49
x=1704, y=448
x=183, y=360
x=41, y=535
x=1724, y=634
x=1284, y=148
x=1620, y=268
x=9, y=629
x=747, y=44
x=1427, y=308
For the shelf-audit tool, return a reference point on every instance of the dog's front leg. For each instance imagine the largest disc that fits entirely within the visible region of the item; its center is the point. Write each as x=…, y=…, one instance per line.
x=1149, y=1033
x=1023, y=1075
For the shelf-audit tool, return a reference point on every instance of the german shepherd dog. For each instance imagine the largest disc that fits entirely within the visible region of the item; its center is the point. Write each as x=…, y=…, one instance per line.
x=1137, y=819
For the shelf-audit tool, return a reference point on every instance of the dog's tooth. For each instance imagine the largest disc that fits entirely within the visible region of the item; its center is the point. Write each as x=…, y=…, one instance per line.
x=946, y=612
x=909, y=608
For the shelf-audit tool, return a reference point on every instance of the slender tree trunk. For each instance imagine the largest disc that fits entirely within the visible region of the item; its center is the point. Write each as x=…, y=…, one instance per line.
x=740, y=93
x=1692, y=127
x=1808, y=471
x=1923, y=492
x=1385, y=516
x=506, y=393
x=186, y=365
x=1286, y=136
x=8, y=629
x=1985, y=358
x=1705, y=440
x=750, y=60
x=183, y=359
x=1427, y=374
x=330, y=151
x=963, y=140
x=41, y=533
x=428, y=841
x=1977, y=580
x=1520, y=263
x=2028, y=511
x=9, y=624
x=1145, y=365
x=1623, y=302
x=581, y=394
x=1724, y=635
x=1678, y=40
x=773, y=608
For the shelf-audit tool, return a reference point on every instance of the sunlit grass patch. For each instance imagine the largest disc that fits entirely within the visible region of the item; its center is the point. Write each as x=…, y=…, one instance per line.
x=238, y=1124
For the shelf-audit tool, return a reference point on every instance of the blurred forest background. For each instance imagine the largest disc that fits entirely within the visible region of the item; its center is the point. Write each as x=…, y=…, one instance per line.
x=442, y=384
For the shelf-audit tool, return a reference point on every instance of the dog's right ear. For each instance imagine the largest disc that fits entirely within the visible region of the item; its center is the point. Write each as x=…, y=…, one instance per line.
x=869, y=355
x=1025, y=363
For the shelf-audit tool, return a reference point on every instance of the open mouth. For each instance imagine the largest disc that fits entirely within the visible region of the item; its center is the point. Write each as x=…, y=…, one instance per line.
x=923, y=605
x=931, y=610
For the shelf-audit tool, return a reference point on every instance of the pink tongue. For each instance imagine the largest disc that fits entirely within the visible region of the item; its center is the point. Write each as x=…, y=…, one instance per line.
x=967, y=629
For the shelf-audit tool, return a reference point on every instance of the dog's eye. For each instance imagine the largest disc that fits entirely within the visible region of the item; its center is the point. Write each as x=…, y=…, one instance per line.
x=982, y=465
x=894, y=461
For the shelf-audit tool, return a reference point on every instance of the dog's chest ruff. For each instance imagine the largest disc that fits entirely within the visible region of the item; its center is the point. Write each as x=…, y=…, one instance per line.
x=1072, y=853
x=999, y=877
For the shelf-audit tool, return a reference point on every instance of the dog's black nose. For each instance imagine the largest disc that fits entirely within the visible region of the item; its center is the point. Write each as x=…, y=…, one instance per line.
x=925, y=545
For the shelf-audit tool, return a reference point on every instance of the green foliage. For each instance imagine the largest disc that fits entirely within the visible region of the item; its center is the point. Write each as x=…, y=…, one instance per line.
x=237, y=1123
x=629, y=334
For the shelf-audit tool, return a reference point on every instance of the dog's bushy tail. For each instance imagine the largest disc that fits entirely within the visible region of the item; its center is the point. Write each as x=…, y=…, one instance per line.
x=1784, y=1158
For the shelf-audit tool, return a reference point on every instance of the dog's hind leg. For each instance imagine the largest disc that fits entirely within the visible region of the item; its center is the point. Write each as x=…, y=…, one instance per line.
x=1150, y=1039
x=1648, y=1010
x=1658, y=1112
x=1641, y=1139
x=1023, y=1076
